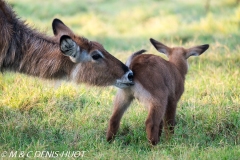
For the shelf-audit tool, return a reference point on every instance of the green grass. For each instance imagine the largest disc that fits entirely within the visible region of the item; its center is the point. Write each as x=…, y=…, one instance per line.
x=41, y=115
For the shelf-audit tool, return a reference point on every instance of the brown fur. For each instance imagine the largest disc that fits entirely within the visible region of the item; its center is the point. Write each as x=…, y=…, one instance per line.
x=25, y=50
x=159, y=85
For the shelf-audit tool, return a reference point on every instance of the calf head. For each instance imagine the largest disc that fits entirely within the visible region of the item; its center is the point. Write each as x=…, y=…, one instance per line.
x=93, y=64
x=179, y=52
x=179, y=55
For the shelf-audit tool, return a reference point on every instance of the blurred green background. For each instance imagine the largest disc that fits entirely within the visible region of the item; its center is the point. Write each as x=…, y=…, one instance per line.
x=38, y=115
x=128, y=24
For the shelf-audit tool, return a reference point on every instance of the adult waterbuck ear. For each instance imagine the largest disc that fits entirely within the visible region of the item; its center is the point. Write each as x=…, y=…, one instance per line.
x=160, y=47
x=70, y=48
x=196, y=51
x=59, y=28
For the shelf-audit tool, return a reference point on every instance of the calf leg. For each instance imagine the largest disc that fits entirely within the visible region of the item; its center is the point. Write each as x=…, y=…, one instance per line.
x=154, y=123
x=170, y=114
x=160, y=129
x=122, y=100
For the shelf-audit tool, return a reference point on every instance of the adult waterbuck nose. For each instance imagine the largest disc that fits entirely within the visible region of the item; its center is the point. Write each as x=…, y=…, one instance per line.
x=126, y=80
x=130, y=75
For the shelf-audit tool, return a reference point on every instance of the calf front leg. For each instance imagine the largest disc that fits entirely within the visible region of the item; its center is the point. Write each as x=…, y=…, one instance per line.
x=122, y=100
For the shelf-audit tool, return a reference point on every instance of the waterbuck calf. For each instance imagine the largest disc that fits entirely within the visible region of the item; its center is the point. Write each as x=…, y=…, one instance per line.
x=23, y=49
x=159, y=85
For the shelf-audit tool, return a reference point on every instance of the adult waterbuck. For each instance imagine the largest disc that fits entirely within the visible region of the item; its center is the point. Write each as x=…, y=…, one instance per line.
x=66, y=55
x=159, y=85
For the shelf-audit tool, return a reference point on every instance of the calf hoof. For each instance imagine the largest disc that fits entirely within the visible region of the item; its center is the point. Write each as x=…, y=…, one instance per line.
x=110, y=138
x=153, y=141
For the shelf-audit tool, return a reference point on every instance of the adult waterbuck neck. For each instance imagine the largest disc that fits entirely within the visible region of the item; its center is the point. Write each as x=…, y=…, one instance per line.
x=159, y=85
x=25, y=50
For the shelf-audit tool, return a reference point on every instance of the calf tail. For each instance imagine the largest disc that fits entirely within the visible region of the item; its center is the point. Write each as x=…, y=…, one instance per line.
x=134, y=55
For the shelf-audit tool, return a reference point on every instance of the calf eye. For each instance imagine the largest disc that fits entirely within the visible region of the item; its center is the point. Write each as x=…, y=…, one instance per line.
x=96, y=56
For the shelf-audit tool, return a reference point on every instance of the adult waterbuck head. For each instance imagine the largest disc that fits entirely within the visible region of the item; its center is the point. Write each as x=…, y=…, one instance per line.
x=93, y=64
x=25, y=50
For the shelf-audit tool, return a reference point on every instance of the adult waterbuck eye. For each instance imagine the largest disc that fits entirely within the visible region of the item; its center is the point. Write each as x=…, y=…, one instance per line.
x=96, y=55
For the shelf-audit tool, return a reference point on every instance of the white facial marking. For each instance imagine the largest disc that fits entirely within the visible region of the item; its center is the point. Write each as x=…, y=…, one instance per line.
x=75, y=72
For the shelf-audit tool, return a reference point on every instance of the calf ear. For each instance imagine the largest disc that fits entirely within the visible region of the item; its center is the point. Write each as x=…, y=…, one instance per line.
x=70, y=48
x=160, y=47
x=196, y=51
x=59, y=28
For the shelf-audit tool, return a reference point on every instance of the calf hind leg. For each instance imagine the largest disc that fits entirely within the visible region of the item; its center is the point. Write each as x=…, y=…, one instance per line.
x=169, y=122
x=154, y=124
x=160, y=129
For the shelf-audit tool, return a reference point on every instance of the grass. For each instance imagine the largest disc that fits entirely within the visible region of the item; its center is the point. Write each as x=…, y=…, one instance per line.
x=41, y=115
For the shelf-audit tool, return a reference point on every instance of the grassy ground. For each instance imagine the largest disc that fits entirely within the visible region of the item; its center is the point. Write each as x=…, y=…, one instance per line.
x=38, y=115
